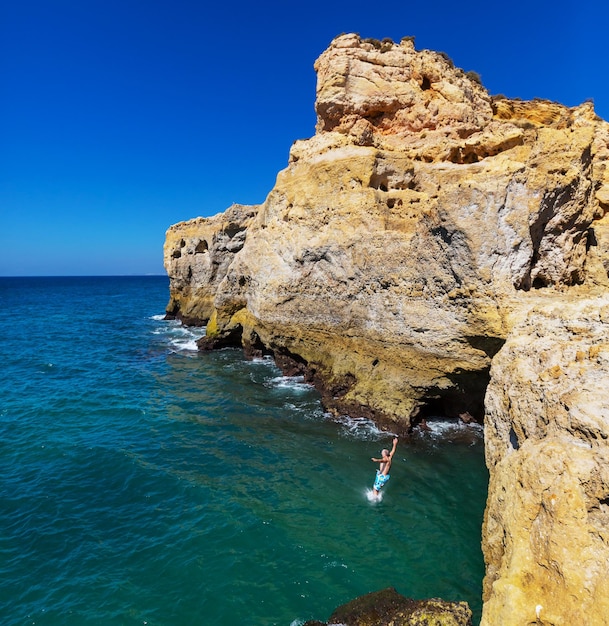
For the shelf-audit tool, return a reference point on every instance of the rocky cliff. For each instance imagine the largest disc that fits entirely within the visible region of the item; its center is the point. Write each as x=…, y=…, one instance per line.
x=430, y=245
x=546, y=529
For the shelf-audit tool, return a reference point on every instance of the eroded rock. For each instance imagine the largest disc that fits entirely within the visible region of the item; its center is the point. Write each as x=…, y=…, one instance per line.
x=427, y=231
x=393, y=251
x=389, y=608
x=546, y=530
x=197, y=255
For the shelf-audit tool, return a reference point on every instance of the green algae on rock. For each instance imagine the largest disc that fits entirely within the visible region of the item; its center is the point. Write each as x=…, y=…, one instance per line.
x=389, y=608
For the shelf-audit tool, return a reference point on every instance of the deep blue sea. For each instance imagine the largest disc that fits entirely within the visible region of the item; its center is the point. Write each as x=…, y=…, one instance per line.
x=144, y=483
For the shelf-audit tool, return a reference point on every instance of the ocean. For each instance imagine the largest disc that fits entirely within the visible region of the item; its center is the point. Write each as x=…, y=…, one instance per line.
x=145, y=483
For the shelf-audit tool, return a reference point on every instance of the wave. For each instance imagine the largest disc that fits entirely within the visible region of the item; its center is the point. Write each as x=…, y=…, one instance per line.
x=440, y=429
x=437, y=431
x=264, y=371
x=294, y=383
x=360, y=427
x=178, y=337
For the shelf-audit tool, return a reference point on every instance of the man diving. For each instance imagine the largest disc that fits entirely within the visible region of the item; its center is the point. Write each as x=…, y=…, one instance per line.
x=382, y=473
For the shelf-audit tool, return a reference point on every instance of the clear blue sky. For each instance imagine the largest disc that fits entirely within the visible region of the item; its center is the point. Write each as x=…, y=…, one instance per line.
x=119, y=118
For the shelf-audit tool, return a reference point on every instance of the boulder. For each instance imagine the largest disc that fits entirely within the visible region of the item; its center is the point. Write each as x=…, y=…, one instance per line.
x=388, y=608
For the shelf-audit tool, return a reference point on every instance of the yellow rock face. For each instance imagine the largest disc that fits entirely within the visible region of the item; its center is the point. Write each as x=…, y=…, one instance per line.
x=197, y=255
x=424, y=226
x=546, y=531
x=394, y=247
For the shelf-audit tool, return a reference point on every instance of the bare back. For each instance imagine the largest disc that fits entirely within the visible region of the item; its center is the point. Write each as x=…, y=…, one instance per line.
x=385, y=465
x=387, y=458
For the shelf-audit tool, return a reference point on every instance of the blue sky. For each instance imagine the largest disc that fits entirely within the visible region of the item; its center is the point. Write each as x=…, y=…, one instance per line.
x=119, y=118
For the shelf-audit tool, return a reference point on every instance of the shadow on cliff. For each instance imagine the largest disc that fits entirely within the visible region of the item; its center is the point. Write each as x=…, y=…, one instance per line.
x=462, y=399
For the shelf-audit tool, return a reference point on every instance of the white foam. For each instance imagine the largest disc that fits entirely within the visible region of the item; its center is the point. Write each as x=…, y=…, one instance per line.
x=185, y=339
x=267, y=359
x=443, y=428
x=179, y=338
x=361, y=427
x=290, y=382
x=372, y=497
x=188, y=345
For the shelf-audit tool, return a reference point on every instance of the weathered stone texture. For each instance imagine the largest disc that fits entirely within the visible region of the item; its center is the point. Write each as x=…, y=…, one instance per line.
x=423, y=226
x=197, y=256
x=389, y=608
x=396, y=243
x=546, y=531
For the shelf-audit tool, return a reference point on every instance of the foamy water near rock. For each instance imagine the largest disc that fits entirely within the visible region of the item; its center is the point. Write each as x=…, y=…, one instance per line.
x=427, y=232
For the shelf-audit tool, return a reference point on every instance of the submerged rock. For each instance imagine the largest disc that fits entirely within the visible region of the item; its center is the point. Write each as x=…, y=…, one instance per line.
x=389, y=608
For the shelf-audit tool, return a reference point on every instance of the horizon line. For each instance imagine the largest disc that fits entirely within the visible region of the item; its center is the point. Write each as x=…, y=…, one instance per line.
x=148, y=274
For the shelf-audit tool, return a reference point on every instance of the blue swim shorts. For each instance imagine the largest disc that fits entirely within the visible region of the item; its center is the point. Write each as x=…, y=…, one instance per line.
x=380, y=480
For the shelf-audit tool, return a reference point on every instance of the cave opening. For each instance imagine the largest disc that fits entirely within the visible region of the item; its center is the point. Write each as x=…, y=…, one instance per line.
x=202, y=246
x=464, y=400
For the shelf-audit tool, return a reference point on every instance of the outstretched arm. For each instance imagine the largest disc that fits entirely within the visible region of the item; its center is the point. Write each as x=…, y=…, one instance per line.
x=395, y=445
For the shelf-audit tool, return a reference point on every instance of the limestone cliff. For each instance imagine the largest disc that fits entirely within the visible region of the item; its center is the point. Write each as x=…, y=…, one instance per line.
x=546, y=530
x=424, y=226
x=388, y=257
x=197, y=256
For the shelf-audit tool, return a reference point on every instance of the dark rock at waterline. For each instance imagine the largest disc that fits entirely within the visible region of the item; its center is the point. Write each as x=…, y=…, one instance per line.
x=389, y=608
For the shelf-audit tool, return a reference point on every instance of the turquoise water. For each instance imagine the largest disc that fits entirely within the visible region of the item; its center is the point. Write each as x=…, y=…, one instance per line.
x=144, y=483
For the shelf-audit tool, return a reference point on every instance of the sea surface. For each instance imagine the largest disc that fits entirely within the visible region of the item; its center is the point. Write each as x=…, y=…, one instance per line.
x=142, y=482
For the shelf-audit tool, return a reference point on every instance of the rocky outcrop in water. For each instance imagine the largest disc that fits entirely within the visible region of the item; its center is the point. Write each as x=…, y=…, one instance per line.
x=431, y=241
x=197, y=256
x=389, y=608
x=389, y=257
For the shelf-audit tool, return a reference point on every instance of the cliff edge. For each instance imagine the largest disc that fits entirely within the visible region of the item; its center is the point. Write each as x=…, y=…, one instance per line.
x=430, y=246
